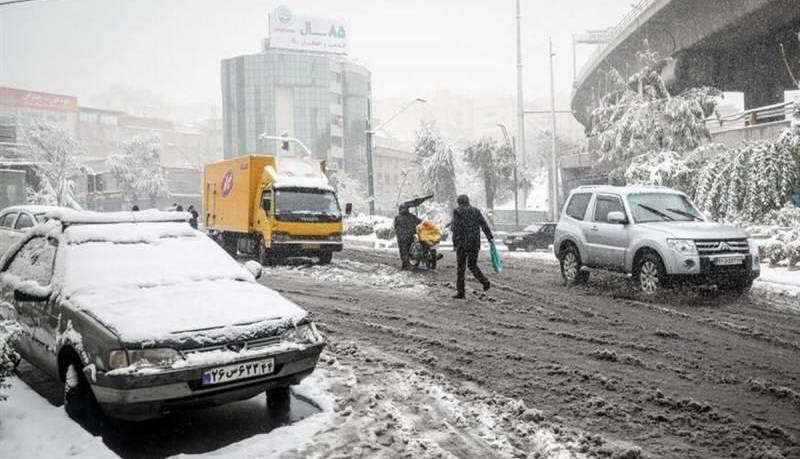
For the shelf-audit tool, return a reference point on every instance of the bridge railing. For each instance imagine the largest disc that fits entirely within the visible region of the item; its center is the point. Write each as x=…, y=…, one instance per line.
x=748, y=118
x=637, y=8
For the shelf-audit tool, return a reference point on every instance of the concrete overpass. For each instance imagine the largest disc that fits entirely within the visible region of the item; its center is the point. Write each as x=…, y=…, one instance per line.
x=729, y=44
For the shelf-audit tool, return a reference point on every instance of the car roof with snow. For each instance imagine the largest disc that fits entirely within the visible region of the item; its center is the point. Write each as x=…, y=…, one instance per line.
x=34, y=209
x=625, y=190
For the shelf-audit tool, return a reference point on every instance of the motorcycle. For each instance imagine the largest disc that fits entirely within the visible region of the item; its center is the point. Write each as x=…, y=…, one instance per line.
x=424, y=249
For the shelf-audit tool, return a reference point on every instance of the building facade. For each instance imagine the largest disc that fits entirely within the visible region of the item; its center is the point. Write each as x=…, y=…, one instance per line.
x=321, y=99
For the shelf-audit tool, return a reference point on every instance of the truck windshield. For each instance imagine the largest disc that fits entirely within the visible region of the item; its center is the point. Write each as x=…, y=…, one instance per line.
x=662, y=207
x=306, y=201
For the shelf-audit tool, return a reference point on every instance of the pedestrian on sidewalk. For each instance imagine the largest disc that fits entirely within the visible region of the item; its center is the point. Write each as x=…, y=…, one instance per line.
x=405, y=227
x=467, y=224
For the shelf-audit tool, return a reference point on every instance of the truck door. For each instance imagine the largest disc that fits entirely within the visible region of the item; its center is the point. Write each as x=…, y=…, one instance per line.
x=210, y=206
x=264, y=215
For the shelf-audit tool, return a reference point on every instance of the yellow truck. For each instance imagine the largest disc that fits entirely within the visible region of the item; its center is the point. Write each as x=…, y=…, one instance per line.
x=272, y=207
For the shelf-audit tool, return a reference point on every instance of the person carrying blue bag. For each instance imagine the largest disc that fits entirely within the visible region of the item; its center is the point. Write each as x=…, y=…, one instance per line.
x=467, y=224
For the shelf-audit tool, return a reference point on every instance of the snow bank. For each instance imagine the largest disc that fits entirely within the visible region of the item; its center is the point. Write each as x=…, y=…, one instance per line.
x=32, y=428
x=367, y=275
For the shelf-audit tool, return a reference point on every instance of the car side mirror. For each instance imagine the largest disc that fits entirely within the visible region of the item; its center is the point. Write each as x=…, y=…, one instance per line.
x=617, y=218
x=254, y=268
x=22, y=295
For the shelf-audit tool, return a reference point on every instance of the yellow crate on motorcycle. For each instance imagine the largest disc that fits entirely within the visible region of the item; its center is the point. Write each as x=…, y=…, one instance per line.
x=429, y=233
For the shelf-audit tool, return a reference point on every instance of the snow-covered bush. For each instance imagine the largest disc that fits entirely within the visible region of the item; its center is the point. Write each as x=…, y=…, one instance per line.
x=9, y=330
x=664, y=168
x=363, y=225
x=786, y=216
x=793, y=253
x=772, y=250
x=385, y=230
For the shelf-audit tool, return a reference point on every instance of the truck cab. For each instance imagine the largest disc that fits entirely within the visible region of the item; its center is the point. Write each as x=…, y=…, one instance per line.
x=272, y=207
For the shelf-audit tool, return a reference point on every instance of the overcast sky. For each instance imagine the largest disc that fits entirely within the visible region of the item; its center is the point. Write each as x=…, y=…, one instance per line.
x=173, y=47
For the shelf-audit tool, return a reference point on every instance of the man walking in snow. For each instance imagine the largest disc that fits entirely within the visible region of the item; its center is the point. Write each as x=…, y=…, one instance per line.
x=467, y=225
x=405, y=227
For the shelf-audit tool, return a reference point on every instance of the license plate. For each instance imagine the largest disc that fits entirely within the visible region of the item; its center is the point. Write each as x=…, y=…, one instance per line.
x=311, y=246
x=728, y=261
x=238, y=371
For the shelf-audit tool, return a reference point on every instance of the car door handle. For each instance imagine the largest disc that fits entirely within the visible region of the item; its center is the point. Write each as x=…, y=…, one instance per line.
x=595, y=228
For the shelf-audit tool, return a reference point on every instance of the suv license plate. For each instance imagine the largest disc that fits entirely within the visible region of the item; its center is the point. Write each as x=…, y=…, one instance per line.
x=238, y=371
x=728, y=261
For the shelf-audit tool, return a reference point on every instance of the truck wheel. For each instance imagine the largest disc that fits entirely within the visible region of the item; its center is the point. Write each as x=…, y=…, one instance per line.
x=650, y=274
x=228, y=243
x=571, y=265
x=325, y=258
x=263, y=254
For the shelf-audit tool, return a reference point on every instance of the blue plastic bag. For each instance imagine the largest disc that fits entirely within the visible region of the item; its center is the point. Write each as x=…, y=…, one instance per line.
x=497, y=262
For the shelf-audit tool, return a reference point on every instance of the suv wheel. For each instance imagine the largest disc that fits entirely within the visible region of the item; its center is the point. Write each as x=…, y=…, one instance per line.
x=651, y=274
x=571, y=265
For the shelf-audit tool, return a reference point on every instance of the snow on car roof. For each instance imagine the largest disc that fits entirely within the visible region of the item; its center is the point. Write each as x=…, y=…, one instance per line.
x=70, y=216
x=625, y=190
x=34, y=209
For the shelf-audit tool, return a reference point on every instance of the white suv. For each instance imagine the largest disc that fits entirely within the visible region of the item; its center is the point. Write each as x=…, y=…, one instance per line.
x=654, y=233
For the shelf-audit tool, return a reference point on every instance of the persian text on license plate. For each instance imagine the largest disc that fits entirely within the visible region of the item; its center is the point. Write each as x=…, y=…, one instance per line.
x=311, y=246
x=727, y=261
x=238, y=371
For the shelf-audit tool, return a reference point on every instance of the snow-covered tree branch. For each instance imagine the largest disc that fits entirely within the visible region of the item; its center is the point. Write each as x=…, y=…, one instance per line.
x=137, y=169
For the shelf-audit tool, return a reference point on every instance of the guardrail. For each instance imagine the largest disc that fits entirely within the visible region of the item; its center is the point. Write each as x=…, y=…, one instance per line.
x=752, y=117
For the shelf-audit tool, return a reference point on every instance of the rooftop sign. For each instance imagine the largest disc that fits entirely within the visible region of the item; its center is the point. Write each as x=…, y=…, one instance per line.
x=303, y=33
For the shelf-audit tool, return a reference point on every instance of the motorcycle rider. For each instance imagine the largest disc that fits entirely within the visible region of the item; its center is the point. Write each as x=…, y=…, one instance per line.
x=405, y=227
x=467, y=224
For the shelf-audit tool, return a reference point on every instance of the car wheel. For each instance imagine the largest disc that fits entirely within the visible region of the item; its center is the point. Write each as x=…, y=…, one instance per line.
x=739, y=285
x=278, y=397
x=531, y=247
x=651, y=276
x=325, y=258
x=571, y=267
x=79, y=401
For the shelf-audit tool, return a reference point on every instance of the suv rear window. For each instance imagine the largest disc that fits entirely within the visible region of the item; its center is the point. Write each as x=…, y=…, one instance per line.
x=576, y=208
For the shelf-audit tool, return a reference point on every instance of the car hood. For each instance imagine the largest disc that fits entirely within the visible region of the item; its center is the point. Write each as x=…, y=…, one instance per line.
x=696, y=230
x=190, y=314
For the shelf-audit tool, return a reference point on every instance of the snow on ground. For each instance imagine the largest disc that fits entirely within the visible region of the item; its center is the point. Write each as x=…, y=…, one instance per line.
x=31, y=428
x=369, y=275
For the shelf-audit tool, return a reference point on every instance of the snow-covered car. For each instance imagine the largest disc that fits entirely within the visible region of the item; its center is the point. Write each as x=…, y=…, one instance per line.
x=144, y=315
x=654, y=233
x=532, y=237
x=15, y=221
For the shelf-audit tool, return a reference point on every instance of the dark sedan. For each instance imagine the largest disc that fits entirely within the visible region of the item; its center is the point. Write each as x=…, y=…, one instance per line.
x=532, y=237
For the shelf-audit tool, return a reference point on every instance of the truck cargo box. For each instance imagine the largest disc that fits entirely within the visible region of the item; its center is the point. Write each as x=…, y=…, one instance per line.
x=229, y=191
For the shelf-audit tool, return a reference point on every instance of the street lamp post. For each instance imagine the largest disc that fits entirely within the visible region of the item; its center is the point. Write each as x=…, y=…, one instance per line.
x=370, y=134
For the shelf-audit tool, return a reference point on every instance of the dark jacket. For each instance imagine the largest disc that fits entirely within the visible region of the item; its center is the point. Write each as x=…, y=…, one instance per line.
x=467, y=224
x=405, y=225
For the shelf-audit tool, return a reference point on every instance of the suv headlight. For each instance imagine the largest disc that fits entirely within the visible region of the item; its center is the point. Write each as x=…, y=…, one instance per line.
x=153, y=357
x=684, y=246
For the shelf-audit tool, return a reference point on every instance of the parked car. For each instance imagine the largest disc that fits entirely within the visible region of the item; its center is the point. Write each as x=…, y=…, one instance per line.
x=532, y=237
x=141, y=315
x=15, y=221
x=655, y=234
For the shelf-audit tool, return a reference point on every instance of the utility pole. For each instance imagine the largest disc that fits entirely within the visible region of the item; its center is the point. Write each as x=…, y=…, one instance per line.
x=520, y=99
x=554, y=160
x=370, y=180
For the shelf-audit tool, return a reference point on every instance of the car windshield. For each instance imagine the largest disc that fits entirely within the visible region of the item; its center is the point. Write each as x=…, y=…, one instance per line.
x=306, y=201
x=659, y=207
x=533, y=228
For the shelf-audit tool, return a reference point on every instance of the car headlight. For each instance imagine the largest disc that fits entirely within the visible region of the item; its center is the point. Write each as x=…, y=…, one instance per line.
x=117, y=358
x=153, y=357
x=305, y=333
x=684, y=246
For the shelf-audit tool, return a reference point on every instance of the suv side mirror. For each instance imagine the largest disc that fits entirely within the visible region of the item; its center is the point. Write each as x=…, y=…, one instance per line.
x=617, y=218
